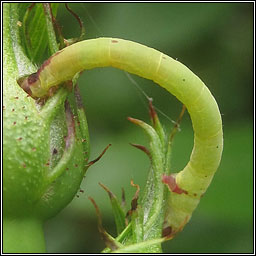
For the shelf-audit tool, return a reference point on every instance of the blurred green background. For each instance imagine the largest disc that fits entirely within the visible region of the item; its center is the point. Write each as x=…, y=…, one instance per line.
x=215, y=40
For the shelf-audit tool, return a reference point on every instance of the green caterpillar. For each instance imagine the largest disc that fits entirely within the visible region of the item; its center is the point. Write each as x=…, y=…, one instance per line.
x=171, y=75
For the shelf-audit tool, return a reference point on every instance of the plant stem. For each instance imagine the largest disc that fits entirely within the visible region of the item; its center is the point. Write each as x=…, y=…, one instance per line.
x=23, y=235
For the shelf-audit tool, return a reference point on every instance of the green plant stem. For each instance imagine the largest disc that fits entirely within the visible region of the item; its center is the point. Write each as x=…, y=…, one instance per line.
x=23, y=235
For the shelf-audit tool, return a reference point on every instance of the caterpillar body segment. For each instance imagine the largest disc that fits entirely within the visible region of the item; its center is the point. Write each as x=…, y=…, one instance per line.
x=171, y=75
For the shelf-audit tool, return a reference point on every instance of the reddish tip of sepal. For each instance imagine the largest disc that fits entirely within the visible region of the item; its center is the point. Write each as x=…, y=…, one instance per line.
x=170, y=181
x=134, y=120
x=152, y=112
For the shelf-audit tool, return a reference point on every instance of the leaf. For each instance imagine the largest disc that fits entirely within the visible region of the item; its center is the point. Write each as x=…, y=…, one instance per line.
x=110, y=242
x=34, y=30
x=118, y=212
x=148, y=223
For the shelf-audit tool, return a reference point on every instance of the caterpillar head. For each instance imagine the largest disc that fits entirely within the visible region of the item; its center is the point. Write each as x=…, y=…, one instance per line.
x=30, y=84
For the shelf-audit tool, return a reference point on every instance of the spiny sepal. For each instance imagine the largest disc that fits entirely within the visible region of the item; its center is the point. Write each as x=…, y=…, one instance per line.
x=118, y=211
x=142, y=226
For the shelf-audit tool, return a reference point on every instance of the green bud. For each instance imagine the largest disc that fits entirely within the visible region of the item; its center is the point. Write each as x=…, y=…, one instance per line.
x=45, y=149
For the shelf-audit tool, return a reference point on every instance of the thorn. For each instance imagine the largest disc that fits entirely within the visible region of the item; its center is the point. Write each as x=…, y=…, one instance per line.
x=97, y=211
x=142, y=148
x=99, y=157
x=111, y=195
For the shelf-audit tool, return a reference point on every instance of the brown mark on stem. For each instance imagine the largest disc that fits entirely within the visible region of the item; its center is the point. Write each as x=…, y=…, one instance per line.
x=78, y=97
x=135, y=198
x=55, y=151
x=70, y=125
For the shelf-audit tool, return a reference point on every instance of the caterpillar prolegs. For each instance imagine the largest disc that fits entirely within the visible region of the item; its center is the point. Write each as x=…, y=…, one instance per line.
x=171, y=75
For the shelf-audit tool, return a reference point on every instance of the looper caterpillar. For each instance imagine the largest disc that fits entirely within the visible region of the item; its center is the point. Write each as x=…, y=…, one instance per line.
x=171, y=75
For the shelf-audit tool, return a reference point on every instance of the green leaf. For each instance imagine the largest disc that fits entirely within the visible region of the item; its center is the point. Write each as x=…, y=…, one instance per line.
x=118, y=212
x=34, y=30
x=49, y=18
